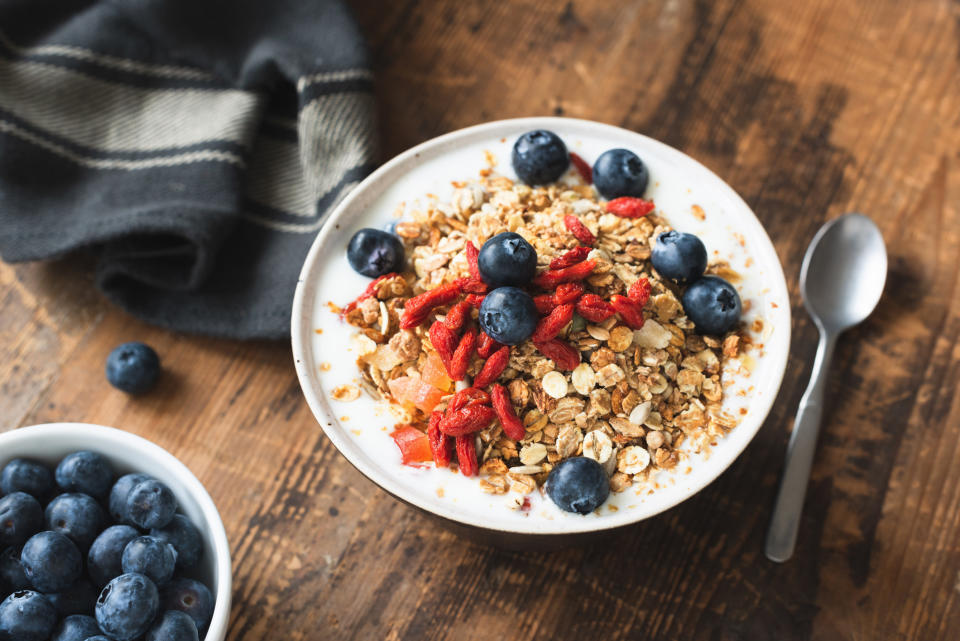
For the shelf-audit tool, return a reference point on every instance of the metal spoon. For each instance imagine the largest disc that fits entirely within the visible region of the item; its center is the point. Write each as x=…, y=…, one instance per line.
x=841, y=280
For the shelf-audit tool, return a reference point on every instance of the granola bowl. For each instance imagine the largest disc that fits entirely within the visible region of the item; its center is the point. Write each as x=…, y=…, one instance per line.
x=663, y=409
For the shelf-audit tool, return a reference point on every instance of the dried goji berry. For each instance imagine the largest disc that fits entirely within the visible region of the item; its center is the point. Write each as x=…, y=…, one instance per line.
x=512, y=426
x=367, y=293
x=472, y=285
x=565, y=356
x=550, y=325
x=594, y=309
x=472, y=255
x=467, y=420
x=439, y=442
x=578, y=229
x=493, y=367
x=457, y=315
x=468, y=396
x=544, y=304
x=630, y=207
x=444, y=340
x=630, y=312
x=475, y=300
x=419, y=307
x=461, y=356
x=639, y=292
x=582, y=168
x=567, y=293
x=572, y=257
x=553, y=277
x=486, y=345
x=467, y=455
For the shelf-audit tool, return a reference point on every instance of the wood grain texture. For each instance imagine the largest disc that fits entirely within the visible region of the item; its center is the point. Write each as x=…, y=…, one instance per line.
x=809, y=109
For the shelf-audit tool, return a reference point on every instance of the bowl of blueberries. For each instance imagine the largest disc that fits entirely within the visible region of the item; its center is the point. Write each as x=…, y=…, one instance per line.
x=106, y=536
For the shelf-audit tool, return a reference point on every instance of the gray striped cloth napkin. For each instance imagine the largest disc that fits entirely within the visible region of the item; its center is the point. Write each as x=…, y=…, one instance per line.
x=194, y=145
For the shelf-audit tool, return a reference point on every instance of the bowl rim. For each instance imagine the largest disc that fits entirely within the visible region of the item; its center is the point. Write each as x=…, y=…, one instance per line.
x=301, y=334
x=220, y=618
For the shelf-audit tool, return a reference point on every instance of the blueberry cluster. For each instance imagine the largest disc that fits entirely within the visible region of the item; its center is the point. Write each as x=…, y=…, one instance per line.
x=86, y=556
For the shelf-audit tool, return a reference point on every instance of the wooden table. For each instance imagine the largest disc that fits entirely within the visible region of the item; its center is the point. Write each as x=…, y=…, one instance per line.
x=809, y=109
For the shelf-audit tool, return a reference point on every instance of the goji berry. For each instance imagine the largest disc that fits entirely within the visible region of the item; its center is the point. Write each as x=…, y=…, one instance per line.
x=550, y=325
x=461, y=356
x=553, y=277
x=486, y=345
x=582, y=168
x=630, y=312
x=565, y=356
x=468, y=396
x=467, y=455
x=493, y=367
x=544, y=303
x=439, y=442
x=572, y=257
x=512, y=426
x=594, y=309
x=457, y=316
x=444, y=340
x=472, y=255
x=472, y=285
x=567, y=293
x=639, y=292
x=578, y=229
x=419, y=307
x=467, y=420
x=367, y=293
x=475, y=300
x=630, y=207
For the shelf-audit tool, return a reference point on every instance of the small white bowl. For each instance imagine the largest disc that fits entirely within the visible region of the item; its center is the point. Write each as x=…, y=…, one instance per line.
x=128, y=453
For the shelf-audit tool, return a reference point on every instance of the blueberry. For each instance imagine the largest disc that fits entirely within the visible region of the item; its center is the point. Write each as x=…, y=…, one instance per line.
x=713, y=305
x=507, y=259
x=373, y=252
x=12, y=577
x=105, y=559
x=77, y=516
x=127, y=606
x=191, y=597
x=183, y=535
x=173, y=626
x=133, y=367
x=21, y=475
x=578, y=484
x=119, y=492
x=619, y=172
x=679, y=256
x=20, y=518
x=76, y=627
x=27, y=616
x=85, y=472
x=150, y=557
x=79, y=598
x=51, y=562
x=539, y=157
x=150, y=504
x=508, y=315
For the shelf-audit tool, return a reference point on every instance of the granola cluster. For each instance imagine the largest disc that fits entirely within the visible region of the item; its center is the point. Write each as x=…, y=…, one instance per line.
x=636, y=396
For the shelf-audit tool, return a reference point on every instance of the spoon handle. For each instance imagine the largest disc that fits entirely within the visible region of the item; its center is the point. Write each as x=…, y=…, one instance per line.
x=782, y=535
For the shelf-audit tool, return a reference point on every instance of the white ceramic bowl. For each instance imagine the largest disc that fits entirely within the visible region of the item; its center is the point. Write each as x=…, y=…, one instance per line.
x=129, y=453
x=322, y=343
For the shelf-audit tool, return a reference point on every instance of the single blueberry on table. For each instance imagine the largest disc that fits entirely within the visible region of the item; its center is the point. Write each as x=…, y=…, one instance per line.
x=77, y=516
x=679, y=256
x=105, y=559
x=20, y=518
x=85, y=472
x=507, y=259
x=151, y=557
x=173, y=625
x=30, y=477
x=373, y=252
x=539, y=157
x=508, y=315
x=119, y=492
x=76, y=627
x=79, y=598
x=578, y=484
x=619, y=172
x=27, y=616
x=51, y=561
x=150, y=504
x=133, y=367
x=191, y=597
x=185, y=538
x=713, y=305
x=12, y=577
x=127, y=606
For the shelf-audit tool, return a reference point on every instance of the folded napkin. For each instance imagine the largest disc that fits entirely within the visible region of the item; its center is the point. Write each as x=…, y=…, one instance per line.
x=194, y=145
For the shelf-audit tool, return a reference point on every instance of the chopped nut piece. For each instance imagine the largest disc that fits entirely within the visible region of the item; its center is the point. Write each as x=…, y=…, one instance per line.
x=654, y=440
x=625, y=427
x=731, y=345
x=406, y=345
x=519, y=392
x=568, y=440
x=640, y=413
x=633, y=459
x=619, y=482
